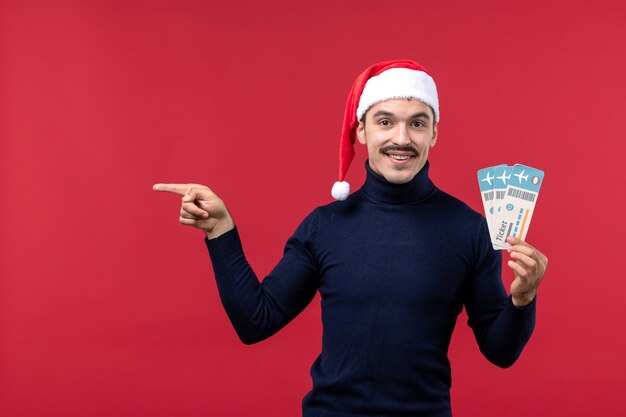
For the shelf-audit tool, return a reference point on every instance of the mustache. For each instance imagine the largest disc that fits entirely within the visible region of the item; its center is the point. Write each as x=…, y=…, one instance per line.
x=392, y=148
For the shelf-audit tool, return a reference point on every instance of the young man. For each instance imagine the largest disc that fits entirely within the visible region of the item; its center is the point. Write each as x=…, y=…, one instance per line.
x=394, y=262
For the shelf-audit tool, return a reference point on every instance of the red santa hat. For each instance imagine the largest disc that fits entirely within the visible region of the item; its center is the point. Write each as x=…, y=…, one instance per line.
x=382, y=81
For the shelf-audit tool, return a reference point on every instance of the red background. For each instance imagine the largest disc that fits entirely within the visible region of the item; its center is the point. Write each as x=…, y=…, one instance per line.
x=108, y=306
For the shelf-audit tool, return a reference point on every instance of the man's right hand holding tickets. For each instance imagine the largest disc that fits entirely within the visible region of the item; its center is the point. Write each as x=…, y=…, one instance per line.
x=200, y=208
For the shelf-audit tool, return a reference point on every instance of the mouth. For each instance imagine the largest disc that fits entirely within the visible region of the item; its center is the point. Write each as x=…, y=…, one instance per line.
x=399, y=155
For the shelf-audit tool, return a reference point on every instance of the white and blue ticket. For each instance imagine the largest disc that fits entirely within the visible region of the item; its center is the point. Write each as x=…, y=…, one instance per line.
x=509, y=195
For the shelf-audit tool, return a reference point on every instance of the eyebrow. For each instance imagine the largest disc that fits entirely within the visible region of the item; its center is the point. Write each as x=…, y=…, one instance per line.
x=389, y=114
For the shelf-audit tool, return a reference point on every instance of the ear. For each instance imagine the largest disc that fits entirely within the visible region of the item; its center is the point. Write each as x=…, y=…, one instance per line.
x=433, y=141
x=360, y=133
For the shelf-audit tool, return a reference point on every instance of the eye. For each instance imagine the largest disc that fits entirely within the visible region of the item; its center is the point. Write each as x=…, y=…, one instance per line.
x=418, y=123
x=384, y=122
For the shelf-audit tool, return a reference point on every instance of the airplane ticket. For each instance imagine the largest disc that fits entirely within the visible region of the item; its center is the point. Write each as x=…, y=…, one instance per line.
x=509, y=197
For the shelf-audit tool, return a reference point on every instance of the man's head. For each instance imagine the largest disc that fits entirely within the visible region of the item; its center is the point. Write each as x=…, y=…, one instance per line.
x=401, y=100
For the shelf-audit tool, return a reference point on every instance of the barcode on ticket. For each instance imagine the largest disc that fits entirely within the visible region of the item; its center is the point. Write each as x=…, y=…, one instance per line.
x=524, y=195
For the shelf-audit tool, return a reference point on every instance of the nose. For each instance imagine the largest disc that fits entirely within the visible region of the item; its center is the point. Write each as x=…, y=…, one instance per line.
x=402, y=135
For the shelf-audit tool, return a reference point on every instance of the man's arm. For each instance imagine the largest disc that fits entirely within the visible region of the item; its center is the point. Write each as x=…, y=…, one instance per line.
x=503, y=324
x=256, y=310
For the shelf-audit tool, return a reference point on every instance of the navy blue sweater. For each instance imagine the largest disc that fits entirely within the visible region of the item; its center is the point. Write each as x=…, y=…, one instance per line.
x=394, y=265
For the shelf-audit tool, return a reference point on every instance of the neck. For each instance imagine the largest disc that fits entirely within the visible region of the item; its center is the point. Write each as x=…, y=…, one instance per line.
x=377, y=188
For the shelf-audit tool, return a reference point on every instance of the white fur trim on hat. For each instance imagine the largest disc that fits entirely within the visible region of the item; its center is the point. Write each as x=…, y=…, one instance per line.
x=399, y=83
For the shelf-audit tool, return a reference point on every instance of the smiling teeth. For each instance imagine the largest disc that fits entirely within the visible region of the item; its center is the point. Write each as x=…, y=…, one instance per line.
x=400, y=157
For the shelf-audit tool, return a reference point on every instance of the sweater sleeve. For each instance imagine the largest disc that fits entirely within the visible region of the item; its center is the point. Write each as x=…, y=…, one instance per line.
x=256, y=309
x=501, y=329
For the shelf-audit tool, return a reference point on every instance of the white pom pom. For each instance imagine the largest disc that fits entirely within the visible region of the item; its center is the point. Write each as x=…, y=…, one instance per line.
x=341, y=190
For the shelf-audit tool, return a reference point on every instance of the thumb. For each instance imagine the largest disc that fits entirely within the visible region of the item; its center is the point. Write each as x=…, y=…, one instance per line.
x=198, y=194
x=190, y=195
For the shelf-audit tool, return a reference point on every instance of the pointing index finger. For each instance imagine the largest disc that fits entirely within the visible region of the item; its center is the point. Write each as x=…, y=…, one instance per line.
x=172, y=188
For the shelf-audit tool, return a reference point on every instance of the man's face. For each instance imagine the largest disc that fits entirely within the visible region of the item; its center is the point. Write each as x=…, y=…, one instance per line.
x=398, y=134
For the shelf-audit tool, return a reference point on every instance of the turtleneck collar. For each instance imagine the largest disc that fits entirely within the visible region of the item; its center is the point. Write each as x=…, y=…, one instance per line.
x=377, y=188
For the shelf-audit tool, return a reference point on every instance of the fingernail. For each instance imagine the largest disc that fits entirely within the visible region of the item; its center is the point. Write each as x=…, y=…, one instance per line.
x=186, y=197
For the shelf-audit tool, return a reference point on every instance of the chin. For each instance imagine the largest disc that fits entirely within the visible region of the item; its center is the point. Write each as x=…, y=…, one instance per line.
x=400, y=179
